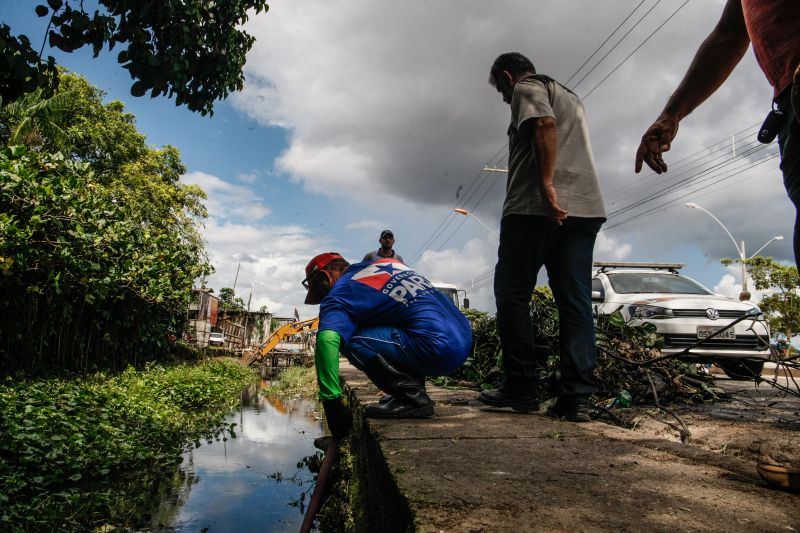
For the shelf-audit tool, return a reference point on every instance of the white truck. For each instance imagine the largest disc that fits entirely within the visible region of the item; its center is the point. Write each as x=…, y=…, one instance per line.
x=451, y=291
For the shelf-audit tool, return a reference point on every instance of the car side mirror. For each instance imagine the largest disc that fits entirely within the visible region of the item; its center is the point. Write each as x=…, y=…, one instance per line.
x=597, y=296
x=466, y=303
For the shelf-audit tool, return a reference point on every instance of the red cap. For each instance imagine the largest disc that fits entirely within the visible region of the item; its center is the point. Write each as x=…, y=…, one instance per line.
x=318, y=263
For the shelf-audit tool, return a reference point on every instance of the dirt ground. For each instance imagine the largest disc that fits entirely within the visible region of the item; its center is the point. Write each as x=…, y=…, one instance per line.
x=758, y=423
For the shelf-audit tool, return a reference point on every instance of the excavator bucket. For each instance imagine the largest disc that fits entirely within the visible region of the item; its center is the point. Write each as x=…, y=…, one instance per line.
x=248, y=358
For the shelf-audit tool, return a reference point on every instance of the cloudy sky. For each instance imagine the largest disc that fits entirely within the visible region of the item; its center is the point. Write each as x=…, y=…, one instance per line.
x=362, y=115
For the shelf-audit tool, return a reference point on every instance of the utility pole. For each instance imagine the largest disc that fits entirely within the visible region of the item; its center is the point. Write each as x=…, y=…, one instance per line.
x=745, y=294
x=246, y=317
x=236, y=278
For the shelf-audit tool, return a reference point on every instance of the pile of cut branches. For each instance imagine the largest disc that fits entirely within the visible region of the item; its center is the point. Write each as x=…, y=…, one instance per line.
x=618, y=343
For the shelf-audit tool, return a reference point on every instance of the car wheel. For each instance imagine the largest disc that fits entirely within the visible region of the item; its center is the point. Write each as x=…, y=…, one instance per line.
x=743, y=369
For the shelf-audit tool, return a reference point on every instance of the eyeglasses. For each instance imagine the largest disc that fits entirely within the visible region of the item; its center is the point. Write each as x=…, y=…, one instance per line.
x=306, y=283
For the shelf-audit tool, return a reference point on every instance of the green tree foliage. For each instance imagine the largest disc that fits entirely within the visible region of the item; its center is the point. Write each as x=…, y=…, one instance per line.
x=99, y=246
x=782, y=306
x=36, y=117
x=194, y=50
x=21, y=70
x=228, y=301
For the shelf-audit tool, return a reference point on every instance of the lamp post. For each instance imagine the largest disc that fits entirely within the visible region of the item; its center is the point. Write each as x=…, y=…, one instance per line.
x=745, y=294
x=466, y=213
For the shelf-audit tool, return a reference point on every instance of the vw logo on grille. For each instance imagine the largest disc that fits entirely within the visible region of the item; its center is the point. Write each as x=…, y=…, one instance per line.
x=712, y=313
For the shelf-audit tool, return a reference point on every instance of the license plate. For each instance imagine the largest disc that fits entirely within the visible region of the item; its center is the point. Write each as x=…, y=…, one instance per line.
x=706, y=331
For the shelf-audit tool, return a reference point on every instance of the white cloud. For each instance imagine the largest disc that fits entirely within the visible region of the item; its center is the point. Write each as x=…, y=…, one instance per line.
x=387, y=105
x=271, y=258
x=276, y=257
x=384, y=102
x=470, y=267
x=227, y=201
x=610, y=249
x=730, y=285
x=247, y=177
x=376, y=225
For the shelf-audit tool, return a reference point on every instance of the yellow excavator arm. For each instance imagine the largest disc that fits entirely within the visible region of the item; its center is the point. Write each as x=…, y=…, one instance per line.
x=278, y=336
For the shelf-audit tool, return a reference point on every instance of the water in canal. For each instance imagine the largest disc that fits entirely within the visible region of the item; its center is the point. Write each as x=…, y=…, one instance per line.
x=251, y=482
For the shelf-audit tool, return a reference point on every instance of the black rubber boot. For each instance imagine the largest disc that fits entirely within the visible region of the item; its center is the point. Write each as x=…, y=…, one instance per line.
x=388, y=398
x=409, y=397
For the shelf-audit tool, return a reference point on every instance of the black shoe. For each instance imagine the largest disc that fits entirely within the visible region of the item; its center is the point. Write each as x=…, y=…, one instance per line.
x=502, y=397
x=574, y=410
x=397, y=408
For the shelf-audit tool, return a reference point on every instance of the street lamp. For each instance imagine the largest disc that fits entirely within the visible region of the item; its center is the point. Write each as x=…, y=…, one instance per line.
x=466, y=213
x=775, y=238
x=745, y=294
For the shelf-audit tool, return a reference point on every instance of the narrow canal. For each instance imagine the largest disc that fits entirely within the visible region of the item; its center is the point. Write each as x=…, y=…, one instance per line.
x=251, y=482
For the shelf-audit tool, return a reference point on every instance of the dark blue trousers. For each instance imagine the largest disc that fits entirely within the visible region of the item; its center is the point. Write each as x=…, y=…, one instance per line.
x=526, y=244
x=789, y=144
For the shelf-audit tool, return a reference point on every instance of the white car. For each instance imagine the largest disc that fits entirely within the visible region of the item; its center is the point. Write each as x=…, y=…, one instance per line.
x=216, y=338
x=684, y=312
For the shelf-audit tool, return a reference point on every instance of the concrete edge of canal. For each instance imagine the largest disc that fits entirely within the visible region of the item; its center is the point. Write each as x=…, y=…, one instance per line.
x=471, y=468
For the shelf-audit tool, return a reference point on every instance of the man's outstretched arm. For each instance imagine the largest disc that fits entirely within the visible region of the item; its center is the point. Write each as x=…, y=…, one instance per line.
x=715, y=60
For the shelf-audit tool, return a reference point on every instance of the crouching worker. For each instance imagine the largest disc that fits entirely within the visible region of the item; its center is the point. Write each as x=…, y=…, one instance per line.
x=391, y=324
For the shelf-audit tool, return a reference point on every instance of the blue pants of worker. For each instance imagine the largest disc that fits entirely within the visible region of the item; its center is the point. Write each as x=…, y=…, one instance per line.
x=393, y=344
x=527, y=243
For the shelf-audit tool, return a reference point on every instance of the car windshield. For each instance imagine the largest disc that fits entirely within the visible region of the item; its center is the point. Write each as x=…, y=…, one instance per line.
x=653, y=282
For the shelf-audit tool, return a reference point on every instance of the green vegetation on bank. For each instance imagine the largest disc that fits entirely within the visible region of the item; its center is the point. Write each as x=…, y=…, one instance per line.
x=61, y=440
x=295, y=382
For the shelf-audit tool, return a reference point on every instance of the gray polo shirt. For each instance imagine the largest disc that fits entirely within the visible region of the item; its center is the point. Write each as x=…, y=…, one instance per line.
x=575, y=179
x=374, y=256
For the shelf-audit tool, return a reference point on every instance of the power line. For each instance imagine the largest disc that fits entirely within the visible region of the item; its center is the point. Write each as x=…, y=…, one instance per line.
x=617, y=43
x=635, y=50
x=449, y=216
x=474, y=207
x=604, y=42
x=693, y=191
x=674, y=186
x=681, y=163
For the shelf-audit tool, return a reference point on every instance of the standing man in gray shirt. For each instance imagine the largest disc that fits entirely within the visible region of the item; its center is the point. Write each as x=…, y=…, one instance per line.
x=386, y=250
x=551, y=215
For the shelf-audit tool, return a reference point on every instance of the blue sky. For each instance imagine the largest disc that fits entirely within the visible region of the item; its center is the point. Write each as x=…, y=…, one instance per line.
x=355, y=118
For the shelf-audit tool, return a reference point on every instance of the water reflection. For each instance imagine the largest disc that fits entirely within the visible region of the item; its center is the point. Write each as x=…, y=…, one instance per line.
x=247, y=483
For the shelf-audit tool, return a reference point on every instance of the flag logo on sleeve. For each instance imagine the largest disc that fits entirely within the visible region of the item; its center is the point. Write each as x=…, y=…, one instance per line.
x=378, y=274
x=394, y=279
